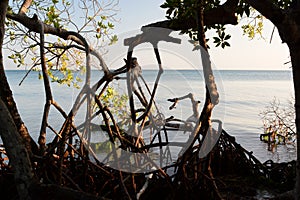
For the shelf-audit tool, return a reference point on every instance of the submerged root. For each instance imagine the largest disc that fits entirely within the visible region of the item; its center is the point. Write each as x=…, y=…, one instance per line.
x=230, y=172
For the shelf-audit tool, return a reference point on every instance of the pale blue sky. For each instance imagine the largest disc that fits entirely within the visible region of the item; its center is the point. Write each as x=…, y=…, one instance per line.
x=243, y=53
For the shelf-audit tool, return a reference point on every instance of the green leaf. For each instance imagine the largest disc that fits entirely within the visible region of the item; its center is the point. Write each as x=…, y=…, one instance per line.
x=113, y=39
x=78, y=79
x=40, y=76
x=222, y=35
x=216, y=40
x=227, y=44
x=110, y=25
x=169, y=11
x=165, y=5
x=247, y=11
x=196, y=48
x=227, y=37
x=98, y=35
x=191, y=41
x=12, y=56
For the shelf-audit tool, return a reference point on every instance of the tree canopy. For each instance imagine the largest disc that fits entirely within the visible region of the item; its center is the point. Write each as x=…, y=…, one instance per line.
x=96, y=23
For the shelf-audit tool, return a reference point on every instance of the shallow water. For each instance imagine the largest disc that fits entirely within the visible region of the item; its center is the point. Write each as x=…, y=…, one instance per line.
x=243, y=95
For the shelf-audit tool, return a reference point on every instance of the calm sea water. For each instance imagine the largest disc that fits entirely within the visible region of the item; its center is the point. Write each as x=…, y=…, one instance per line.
x=243, y=95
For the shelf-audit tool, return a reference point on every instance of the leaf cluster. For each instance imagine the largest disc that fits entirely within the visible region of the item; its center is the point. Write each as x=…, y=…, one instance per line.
x=103, y=26
x=52, y=16
x=222, y=38
x=187, y=9
x=92, y=19
x=254, y=27
x=243, y=9
x=284, y=4
x=117, y=103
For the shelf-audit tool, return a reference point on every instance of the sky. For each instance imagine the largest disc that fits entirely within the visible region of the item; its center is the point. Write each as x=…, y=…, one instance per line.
x=244, y=54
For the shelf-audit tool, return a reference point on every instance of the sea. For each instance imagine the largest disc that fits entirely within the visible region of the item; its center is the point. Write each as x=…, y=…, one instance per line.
x=243, y=95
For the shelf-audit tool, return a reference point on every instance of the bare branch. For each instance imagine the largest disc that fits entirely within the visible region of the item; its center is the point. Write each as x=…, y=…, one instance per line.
x=31, y=24
x=49, y=98
x=24, y=8
x=195, y=105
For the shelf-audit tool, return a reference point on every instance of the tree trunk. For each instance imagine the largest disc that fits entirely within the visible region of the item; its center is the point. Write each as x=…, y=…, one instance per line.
x=16, y=151
x=13, y=142
x=5, y=91
x=295, y=58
